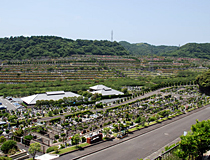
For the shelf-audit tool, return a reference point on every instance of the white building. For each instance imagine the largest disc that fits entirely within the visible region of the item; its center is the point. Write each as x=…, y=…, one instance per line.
x=56, y=95
x=105, y=91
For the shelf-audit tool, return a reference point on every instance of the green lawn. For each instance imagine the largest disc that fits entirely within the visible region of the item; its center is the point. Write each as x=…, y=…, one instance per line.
x=132, y=129
x=61, y=151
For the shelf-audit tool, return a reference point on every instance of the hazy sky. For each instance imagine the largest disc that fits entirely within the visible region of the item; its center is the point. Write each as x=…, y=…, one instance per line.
x=168, y=22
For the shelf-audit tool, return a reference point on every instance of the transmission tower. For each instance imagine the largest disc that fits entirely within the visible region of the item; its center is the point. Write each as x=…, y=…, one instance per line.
x=112, y=36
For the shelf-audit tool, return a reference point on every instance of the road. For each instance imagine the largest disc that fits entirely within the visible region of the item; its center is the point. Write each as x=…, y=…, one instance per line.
x=7, y=103
x=146, y=144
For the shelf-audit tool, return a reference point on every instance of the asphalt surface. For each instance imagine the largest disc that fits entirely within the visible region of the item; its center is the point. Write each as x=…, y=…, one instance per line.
x=149, y=141
x=7, y=103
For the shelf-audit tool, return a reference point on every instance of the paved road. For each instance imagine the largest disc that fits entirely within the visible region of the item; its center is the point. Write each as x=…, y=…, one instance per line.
x=148, y=143
x=7, y=103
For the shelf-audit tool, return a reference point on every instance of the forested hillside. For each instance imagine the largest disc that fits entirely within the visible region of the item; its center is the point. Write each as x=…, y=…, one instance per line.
x=51, y=46
x=192, y=50
x=146, y=49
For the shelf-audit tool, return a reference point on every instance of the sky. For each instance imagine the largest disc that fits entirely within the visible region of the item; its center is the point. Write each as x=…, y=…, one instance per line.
x=157, y=22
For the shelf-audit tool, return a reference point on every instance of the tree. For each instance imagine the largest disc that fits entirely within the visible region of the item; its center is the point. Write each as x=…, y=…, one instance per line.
x=6, y=146
x=63, y=135
x=125, y=90
x=50, y=114
x=106, y=131
x=34, y=148
x=196, y=142
x=138, y=120
x=75, y=139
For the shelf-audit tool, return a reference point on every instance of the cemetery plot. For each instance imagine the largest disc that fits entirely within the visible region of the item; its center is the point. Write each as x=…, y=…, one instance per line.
x=32, y=125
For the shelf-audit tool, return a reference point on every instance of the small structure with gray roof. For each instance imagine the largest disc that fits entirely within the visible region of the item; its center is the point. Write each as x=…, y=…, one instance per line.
x=55, y=95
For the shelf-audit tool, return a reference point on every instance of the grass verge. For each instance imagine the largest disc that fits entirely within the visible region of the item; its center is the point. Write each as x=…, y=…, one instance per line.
x=65, y=150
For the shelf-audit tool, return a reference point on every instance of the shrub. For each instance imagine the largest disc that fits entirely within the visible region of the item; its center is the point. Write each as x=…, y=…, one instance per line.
x=1, y=132
x=79, y=128
x=55, y=119
x=114, y=130
x=7, y=131
x=28, y=137
x=60, y=140
x=62, y=146
x=2, y=139
x=5, y=158
x=12, y=151
x=56, y=136
x=63, y=134
x=83, y=139
x=18, y=133
x=50, y=149
x=54, y=141
x=6, y=146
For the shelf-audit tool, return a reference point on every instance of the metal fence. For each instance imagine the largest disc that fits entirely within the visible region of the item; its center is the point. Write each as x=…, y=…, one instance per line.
x=168, y=154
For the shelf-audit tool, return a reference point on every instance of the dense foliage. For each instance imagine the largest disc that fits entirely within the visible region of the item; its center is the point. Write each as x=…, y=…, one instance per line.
x=192, y=50
x=34, y=148
x=6, y=146
x=196, y=142
x=204, y=82
x=51, y=46
x=146, y=49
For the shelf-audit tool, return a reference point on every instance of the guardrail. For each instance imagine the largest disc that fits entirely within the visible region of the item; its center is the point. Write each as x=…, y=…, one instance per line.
x=166, y=154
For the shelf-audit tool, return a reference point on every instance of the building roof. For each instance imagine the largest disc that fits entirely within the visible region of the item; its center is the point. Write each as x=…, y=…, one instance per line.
x=100, y=87
x=48, y=96
x=105, y=91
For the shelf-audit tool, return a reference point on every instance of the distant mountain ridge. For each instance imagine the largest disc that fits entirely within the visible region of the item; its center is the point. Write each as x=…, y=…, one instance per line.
x=192, y=50
x=36, y=47
x=146, y=49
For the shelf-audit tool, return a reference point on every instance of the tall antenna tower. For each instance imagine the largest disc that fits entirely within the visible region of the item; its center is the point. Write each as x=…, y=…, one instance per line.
x=112, y=36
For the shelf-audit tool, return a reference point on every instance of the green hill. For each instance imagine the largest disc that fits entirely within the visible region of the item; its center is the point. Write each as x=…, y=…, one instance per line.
x=146, y=49
x=192, y=50
x=37, y=47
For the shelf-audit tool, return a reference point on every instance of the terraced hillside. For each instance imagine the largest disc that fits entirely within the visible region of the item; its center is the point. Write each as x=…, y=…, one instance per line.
x=91, y=67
